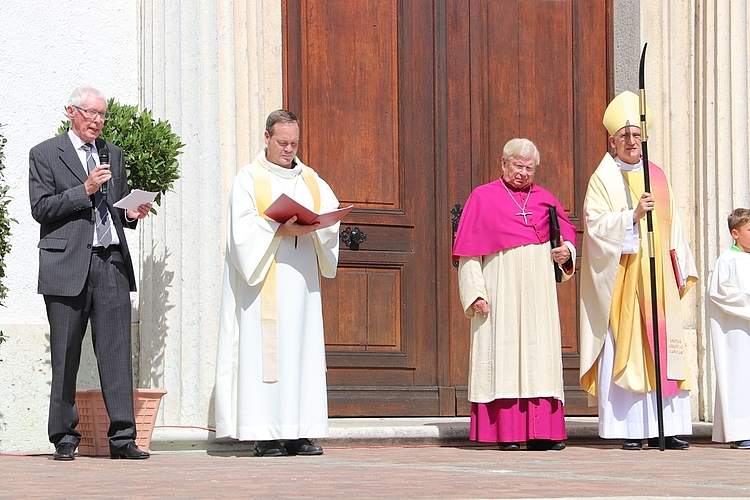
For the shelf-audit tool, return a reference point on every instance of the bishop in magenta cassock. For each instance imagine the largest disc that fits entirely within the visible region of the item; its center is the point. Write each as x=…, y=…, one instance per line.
x=508, y=289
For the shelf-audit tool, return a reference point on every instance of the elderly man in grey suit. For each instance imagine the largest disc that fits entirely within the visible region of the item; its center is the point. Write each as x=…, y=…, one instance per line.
x=85, y=270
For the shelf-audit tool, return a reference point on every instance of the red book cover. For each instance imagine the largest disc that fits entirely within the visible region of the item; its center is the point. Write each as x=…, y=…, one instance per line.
x=678, y=276
x=284, y=208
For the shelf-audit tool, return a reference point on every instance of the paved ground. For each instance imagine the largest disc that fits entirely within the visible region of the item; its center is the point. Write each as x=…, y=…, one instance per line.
x=583, y=470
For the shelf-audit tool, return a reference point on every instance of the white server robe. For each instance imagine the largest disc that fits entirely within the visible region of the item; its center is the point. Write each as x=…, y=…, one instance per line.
x=729, y=317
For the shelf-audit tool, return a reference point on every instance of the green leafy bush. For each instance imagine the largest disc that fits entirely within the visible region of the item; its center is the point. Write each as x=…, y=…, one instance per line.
x=149, y=146
x=5, y=222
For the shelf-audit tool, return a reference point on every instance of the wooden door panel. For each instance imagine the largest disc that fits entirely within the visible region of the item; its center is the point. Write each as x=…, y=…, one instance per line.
x=546, y=83
x=351, y=98
x=360, y=326
x=522, y=86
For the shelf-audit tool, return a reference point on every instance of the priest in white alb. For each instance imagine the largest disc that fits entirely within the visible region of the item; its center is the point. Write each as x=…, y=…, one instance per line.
x=616, y=326
x=728, y=307
x=270, y=370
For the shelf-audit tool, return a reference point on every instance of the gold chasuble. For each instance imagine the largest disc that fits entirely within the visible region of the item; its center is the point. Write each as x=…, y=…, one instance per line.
x=268, y=311
x=622, y=300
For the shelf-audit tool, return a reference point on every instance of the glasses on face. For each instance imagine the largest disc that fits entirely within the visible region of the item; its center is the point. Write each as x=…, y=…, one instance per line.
x=92, y=113
x=629, y=137
x=516, y=167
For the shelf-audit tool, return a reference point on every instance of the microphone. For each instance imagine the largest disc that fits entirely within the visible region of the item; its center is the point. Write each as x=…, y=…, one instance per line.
x=104, y=160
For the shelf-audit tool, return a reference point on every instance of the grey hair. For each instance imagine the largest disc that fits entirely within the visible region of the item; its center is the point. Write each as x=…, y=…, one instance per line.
x=521, y=148
x=80, y=94
x=280, y=116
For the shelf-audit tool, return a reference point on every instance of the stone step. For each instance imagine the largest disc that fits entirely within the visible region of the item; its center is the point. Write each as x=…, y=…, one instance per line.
x=383, y=432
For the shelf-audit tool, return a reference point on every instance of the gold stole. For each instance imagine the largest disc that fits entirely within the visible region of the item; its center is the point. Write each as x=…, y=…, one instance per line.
x=268, y=309
x=631, y=302
x=633, y=367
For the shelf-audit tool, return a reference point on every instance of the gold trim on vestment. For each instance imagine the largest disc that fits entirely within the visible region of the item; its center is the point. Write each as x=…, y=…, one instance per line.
x=633, y=367
x=268, y=293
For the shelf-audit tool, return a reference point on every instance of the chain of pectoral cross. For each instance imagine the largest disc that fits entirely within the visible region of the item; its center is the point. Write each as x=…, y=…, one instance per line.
x=523, y=213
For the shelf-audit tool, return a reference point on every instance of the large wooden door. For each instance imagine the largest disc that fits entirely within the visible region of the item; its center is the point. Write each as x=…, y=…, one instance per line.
x=405, y=107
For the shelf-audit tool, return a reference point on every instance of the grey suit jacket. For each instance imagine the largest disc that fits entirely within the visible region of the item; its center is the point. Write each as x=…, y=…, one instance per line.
x=66, y=214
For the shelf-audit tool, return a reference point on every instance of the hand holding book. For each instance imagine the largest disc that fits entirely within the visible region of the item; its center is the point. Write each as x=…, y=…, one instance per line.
x=284, y=208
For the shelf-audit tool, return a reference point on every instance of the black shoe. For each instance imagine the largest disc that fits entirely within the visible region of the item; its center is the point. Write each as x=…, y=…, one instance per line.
x=302, y=446
x=670, y=443
x=544, y=445
x=632, y=444
x=269, y=449
x=557, y=446
x=129, y=451
x=64, y=451
x=508, y=446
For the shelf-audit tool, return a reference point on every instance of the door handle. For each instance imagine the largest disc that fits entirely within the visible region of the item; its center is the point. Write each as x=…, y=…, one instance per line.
x=352, y=237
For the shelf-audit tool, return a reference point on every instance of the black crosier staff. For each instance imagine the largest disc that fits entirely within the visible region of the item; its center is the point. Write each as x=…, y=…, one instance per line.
x=651, y=247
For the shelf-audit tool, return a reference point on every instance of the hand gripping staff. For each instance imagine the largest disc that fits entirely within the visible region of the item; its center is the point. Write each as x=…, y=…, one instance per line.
x=651, y=247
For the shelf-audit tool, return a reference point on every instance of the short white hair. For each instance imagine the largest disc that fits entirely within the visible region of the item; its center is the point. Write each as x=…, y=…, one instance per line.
x=80, y=94
x=521, y=148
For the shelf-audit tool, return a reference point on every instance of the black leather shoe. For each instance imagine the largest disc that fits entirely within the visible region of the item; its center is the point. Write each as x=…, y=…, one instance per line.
x=670, y=443
x=508, y=446
x=129, y=451
x=302, y=446
x=544, y=445
x=632, y=444
x=269, y=449
x=64, y=451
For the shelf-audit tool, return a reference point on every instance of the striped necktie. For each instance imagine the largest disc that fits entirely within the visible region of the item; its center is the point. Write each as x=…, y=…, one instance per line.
x=103, y=223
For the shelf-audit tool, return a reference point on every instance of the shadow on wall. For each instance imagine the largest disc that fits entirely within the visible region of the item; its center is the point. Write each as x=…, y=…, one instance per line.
x=211, y=413
x=88, y=372
x=148, y=334
x=153, y=319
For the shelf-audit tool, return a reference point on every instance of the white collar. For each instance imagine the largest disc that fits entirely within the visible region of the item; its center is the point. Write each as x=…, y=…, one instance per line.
x=78, y=142
x=287, y=173
x=629, y=167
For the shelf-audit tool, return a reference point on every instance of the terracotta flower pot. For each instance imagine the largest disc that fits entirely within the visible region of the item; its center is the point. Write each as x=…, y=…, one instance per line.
x=94, y=422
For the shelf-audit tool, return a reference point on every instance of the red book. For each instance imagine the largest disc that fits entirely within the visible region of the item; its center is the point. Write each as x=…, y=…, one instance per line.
x=284, y=208
x=678, y=276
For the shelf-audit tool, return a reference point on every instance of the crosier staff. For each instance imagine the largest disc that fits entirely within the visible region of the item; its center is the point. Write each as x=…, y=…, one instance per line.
x=651, y=248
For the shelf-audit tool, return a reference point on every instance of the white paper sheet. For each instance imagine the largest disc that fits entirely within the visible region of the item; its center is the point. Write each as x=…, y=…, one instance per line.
x=135, y=199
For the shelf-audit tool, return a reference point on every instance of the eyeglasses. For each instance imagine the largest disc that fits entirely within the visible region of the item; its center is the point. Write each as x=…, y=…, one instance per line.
x=521, y=168
x=92, y=113
x=628, y=137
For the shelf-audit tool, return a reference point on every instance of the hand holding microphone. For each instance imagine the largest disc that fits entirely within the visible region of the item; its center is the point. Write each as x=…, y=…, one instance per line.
x=104, y=160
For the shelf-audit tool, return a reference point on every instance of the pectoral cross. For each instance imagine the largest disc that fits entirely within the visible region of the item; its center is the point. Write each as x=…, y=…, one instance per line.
x=523, y=213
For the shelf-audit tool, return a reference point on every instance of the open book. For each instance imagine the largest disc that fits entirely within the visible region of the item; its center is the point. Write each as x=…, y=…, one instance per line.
x=284, y=208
